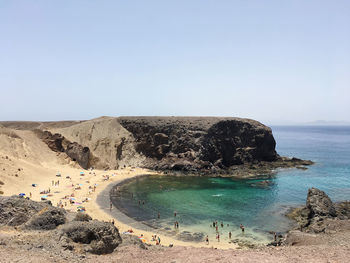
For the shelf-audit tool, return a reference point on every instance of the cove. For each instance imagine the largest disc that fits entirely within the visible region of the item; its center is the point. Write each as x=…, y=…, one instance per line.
x=259, y=204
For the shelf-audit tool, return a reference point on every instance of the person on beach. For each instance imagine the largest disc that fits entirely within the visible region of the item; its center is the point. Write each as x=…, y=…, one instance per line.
x=275, y=236
x=242, y=228
x=158, y=240
x=229, y=235
x=207, y=240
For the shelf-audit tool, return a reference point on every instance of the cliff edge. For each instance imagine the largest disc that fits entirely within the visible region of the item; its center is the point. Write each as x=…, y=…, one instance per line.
x=191, y=144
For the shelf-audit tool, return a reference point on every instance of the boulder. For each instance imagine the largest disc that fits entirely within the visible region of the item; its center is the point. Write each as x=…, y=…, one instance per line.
x=47, y=219
x=99, y=237
x=15, y=210
x=80, y=216
x=131, y=240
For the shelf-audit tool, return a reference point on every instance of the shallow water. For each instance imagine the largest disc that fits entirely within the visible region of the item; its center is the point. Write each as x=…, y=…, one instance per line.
x=199, y=201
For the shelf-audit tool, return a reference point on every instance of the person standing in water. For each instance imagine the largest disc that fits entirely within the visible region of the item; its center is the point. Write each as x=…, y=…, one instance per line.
x=229, y=235
x=158, y=215
x=174, y=213
x=242, y=228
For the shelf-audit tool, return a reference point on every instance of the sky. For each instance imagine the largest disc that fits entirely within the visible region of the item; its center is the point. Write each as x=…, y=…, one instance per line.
x=278, y=62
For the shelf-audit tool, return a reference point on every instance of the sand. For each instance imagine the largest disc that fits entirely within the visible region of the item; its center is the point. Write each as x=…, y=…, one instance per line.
x=26, y=160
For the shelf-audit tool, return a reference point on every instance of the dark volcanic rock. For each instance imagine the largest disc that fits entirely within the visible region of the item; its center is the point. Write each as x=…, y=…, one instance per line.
x=100, y=237
x=15, y=211
x=319, y=212
x=80, y=216
x=131, y=240
x=205, y=145
x=56, y=142
x=319, y=204
x=47, y=219
x=188, y=236
x=194, y=143
x=79, y=153
x=53, y=141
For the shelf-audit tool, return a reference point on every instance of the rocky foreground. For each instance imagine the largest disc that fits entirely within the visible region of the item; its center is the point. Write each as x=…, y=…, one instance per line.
x=204, y=145
x=34, y=231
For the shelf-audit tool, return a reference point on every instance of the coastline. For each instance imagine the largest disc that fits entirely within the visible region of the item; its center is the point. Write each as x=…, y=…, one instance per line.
x=98, y=208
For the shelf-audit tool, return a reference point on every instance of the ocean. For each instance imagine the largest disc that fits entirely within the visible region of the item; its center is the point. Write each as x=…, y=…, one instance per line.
x=260, y=207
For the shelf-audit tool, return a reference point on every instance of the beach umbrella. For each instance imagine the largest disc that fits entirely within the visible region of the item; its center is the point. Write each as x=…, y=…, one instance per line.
x=43, y=196
x=82, y=173
x=22, y=194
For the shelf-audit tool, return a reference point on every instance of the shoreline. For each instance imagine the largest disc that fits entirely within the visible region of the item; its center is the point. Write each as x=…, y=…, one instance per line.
x=98, y=208
x=103, y=199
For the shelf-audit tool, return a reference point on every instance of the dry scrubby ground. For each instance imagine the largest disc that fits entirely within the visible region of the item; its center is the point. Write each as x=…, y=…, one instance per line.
x=12, y=251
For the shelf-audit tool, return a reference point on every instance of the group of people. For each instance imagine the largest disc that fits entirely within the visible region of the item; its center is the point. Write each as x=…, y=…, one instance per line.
x=216, y=225
x=56, y=183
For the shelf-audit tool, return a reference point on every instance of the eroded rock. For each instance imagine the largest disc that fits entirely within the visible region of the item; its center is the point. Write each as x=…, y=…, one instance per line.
x=99, y=237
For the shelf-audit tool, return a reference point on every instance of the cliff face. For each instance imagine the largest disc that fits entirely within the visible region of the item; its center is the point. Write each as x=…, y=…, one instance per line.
x=195, y=144
x=191, y=143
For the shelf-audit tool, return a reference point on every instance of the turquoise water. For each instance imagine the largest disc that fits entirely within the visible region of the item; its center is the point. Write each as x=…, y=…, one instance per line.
x=199, y=201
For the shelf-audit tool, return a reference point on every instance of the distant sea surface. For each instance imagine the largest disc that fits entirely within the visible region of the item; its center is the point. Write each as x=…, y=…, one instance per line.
x=199, y=201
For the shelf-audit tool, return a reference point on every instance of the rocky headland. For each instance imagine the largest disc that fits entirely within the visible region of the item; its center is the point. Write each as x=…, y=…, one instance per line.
x=196, y=145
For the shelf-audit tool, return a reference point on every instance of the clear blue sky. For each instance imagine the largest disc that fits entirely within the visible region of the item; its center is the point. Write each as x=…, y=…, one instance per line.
x=274, y=61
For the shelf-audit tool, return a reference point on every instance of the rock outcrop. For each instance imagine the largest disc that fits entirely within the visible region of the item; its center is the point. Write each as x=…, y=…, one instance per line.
x=48, y=218
x=195, y=143
x=100, y=237
x=68, y=230
x=319, y=212
x=58, y=143
x=208, y=145
x=79, y=153
x=18, y=211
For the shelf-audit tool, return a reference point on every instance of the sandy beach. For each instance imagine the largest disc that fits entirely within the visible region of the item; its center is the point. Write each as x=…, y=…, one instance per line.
x=29, y=167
